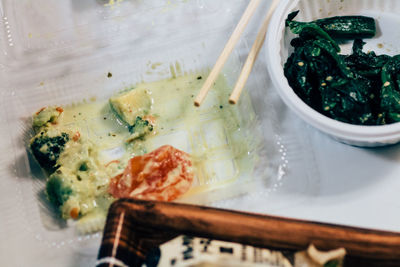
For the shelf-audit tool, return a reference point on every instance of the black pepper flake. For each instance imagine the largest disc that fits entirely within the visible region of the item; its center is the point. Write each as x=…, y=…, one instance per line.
x=109, y=75
x=244, y=253
x=199, y=78
x=104, y=118
x=221, y=107
x=188, y=253
x=226, y=250
x=187, y=240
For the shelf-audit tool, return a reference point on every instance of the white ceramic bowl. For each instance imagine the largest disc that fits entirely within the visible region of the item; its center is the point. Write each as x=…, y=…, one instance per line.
x=278, y=48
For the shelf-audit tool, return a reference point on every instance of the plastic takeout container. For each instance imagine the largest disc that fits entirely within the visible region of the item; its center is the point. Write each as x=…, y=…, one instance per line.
x=387, y=41
x=61, y=53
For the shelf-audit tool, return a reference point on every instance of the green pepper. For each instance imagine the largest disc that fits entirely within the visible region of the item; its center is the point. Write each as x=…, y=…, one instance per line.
x=308, y=29
x=339, y=27
x=348, y=27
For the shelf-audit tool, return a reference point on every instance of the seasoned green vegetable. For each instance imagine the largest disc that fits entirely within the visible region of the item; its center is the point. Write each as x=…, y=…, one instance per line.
x=332, y=263
x=309, y=30
x=390, y=94
x=343, y=27
x=47, y=148
x=348, y=27
x=361, y=88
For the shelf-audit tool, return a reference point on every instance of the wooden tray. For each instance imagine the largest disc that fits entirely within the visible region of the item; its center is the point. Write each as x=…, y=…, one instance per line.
x=136, y=227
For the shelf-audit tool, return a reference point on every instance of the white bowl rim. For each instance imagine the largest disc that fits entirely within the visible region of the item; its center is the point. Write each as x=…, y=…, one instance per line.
x=378, y=133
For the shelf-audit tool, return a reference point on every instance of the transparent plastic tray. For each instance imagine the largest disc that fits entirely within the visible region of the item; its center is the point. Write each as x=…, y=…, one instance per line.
x=60, y=53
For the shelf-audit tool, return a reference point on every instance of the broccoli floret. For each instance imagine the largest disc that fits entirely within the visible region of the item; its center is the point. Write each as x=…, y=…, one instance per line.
x=47, y=149
x=58, y=191
x=139, y=129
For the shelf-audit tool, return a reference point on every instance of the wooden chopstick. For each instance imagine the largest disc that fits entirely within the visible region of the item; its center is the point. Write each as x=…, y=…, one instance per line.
x=252, y=57
x=244, y=20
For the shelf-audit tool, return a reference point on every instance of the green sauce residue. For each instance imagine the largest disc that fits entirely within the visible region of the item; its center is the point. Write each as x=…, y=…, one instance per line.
x=104, y=135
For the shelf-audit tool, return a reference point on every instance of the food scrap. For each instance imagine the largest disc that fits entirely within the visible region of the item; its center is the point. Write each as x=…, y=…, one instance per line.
x=78, y=181
x=127, y=146
x=164, y=174
x=111, y=3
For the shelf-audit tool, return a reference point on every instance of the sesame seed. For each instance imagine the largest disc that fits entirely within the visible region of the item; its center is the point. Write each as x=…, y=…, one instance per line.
x=329, y=78
x=386, y=84
x=327, y=108
x=301, y=64
x=323, y=84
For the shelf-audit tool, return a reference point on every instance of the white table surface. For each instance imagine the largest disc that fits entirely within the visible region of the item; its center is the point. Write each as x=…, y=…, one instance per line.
x=350, y=186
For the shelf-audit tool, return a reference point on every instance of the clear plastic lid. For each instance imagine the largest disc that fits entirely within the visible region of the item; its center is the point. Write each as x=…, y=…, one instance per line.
x=58, y=53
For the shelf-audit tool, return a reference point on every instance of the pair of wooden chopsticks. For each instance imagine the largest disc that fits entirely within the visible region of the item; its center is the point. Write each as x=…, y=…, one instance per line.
x=248, y=66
